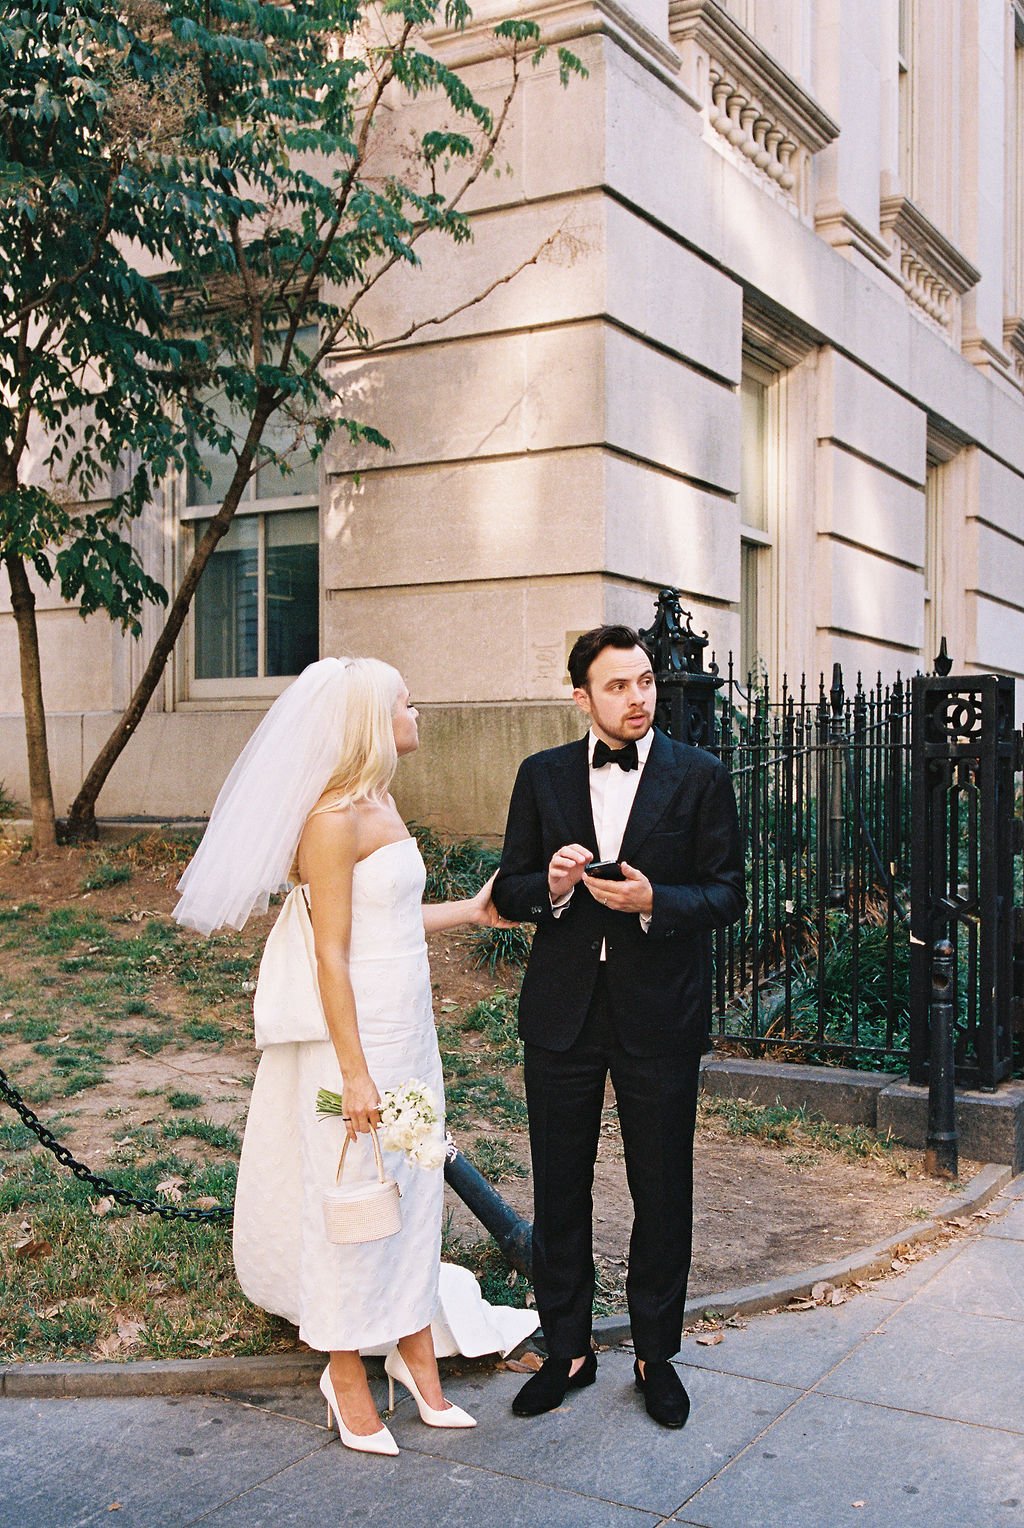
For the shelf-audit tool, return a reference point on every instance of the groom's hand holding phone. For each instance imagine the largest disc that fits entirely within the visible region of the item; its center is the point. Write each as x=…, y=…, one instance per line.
x=627, y=892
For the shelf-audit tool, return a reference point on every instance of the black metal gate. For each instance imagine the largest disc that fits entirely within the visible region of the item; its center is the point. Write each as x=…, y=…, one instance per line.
x=966, y=833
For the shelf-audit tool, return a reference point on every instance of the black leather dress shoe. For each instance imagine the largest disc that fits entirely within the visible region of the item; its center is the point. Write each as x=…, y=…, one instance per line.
x=546, y=1389
x=664, y=1393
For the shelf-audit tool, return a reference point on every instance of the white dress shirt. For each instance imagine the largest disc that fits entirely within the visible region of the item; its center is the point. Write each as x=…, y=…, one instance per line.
x=612, y=793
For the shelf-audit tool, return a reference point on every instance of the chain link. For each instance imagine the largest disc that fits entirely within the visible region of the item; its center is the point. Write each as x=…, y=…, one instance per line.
x=10, y=1095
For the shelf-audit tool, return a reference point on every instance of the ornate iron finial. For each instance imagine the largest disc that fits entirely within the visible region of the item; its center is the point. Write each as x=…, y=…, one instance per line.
x=943, y=662
x=677, y=649
x=837, y=694
x=686, y=693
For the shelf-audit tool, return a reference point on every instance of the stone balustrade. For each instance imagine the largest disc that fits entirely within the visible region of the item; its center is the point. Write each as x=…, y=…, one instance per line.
x=932, y=271
x=755, y=111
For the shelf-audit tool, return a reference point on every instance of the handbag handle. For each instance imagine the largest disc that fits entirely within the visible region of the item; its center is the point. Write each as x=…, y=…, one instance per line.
x=376, y=1152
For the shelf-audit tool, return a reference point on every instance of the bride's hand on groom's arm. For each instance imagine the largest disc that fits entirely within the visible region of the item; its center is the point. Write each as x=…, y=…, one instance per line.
x=483, y=913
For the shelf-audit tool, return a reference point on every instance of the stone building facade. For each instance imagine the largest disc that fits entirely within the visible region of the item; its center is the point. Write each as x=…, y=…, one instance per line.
x=771, y=352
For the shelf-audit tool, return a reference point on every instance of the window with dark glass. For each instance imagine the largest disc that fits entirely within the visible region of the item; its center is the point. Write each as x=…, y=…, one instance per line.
x=256, y=610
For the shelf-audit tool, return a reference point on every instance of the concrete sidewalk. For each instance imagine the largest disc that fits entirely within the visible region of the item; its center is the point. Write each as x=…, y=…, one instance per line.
x=903, y=1406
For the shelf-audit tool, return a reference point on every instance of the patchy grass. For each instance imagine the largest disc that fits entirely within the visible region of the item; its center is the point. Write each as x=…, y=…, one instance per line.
x=101, y=990
x=178, y=1100
x=120, y=1285
x=106, y=874
x=780, y=1126
x=493, y=1156
x=494, y=1019
x=203, y=1130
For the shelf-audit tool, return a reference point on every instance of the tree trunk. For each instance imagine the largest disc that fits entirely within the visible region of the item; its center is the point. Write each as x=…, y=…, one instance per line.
x=82, y=816
x=23, y=602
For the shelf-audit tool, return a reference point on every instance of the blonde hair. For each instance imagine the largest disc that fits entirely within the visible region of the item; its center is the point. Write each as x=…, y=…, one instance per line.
x=367, y=755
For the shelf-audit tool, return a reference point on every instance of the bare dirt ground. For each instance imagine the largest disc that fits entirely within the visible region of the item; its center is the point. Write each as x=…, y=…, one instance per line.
x=762, y=1208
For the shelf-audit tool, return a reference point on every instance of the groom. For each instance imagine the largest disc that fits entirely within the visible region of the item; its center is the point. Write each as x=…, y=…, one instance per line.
x=617, y=984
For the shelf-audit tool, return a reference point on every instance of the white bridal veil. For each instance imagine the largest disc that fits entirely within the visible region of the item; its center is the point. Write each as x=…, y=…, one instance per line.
x=254, y=828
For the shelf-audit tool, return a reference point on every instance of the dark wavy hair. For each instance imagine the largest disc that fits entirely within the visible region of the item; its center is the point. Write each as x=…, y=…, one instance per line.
x=587, y=646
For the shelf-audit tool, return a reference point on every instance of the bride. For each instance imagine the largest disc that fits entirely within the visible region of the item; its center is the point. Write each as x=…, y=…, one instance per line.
x=343, y=1002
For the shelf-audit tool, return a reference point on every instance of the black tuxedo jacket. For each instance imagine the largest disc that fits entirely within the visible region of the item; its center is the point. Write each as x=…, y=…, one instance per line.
x=683, y=834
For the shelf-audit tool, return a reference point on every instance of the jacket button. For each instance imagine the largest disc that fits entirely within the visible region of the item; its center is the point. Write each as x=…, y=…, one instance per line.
x=596, y=944
x=536, y=909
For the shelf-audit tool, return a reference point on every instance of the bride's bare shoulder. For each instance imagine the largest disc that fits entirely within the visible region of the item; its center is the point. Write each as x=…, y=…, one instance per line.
x=334, y=825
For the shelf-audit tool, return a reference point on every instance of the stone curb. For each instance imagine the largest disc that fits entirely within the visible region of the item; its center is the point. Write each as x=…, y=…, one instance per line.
x=204, y=1376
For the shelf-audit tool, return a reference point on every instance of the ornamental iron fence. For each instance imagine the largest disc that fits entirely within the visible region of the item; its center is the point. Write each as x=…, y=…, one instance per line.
x=876, y=820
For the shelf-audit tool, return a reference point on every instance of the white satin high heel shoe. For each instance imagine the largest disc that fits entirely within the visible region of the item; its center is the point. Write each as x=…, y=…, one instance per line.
x=395, y=1367
x=364, y=1443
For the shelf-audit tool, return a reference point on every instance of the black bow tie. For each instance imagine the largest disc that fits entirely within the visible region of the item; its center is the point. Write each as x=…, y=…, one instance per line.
x=625, y=758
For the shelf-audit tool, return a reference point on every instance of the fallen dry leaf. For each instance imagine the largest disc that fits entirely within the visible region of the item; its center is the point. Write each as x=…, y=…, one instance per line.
x=801, y=1305
x=838, y=1297
x=108, y=1346
x=103, y=1206
x=737, y=1322
x=710, y=1339
x=171, y=1188
x=129, y=1331
x=858, y=1504
x=206, y=1202
x=528, y=1364
x=821, y=1291
x=115, y=1506
x=32, y=1247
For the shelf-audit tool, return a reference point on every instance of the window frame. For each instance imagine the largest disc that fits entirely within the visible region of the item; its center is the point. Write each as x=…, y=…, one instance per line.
x=758, y=542
x=260, y=685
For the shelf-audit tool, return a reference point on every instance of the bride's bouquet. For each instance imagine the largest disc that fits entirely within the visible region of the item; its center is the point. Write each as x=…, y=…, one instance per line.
x=408, y=1121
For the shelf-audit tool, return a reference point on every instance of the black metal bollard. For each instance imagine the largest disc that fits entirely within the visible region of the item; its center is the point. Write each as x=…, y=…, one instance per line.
x=941, y=1156
x=513, y=1234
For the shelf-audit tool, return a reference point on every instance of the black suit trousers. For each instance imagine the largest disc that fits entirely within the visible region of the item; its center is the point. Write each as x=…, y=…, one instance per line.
x=657, y=1102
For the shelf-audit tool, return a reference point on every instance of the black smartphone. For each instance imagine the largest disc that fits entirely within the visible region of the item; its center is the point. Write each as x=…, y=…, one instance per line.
x=605, y=870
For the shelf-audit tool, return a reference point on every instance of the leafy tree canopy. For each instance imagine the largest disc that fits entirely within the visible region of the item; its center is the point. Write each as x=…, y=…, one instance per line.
x=188, y=190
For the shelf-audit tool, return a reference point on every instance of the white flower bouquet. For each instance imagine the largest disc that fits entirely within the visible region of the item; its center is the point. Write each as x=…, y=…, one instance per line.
x=408, y=1121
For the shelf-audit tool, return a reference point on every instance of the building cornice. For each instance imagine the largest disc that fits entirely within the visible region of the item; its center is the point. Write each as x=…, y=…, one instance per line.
x=562, y=22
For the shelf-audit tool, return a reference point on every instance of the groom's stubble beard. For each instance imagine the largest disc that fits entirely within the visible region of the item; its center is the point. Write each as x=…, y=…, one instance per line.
x=619, y=729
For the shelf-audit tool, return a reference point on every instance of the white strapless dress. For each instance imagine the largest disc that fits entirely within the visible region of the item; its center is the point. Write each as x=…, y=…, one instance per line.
x=362, y=1296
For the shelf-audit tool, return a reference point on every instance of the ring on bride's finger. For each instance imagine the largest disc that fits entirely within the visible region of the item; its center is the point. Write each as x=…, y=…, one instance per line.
x=346, y=1119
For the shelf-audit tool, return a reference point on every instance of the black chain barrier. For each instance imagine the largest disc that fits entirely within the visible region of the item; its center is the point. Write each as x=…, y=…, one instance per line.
x=10, y=1095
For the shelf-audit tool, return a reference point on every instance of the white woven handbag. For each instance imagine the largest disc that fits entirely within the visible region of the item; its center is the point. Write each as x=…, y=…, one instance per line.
x=364, y=1212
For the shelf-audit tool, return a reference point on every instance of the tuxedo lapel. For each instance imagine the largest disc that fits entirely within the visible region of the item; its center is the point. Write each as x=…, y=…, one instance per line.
x=571, y=783
x=659, y=782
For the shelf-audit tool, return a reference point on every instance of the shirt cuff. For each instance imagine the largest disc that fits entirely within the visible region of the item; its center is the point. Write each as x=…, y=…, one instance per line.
x=558, y=908
x=645, y=921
